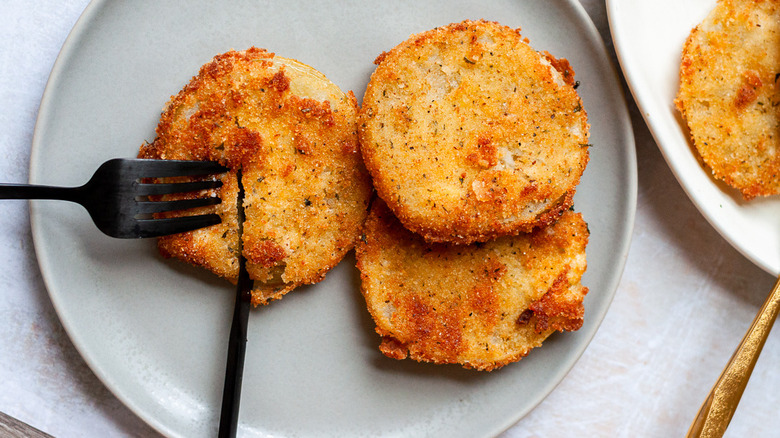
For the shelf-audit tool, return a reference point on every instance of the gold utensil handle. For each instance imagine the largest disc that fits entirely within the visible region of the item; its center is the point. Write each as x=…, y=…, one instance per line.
x=716, y=412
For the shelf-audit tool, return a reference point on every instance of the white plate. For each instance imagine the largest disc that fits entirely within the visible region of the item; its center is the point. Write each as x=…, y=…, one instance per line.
x=649, y=37
x=154, y=330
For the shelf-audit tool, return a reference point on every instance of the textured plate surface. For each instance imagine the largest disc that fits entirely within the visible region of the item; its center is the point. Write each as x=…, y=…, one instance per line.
x=155, y=331
x=649, y=38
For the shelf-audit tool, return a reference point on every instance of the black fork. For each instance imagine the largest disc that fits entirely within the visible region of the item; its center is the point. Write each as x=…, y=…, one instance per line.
x=116, y=196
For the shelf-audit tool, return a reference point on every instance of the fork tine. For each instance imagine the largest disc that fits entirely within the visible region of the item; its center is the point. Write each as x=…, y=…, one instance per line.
x=168, y=188
x=162, y=227
x=168, y=168
x=146, y=207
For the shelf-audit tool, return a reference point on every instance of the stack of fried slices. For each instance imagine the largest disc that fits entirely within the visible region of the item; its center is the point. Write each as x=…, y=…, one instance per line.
x=475, y=142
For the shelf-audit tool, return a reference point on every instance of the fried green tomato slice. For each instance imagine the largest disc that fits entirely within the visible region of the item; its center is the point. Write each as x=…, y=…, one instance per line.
x=730, y=96
x=482, y=305
x=470, y=134
x=293, y=135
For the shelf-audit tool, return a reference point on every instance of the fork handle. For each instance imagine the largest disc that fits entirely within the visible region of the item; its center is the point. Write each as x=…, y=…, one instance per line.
x=28, y=191
x=716, y=412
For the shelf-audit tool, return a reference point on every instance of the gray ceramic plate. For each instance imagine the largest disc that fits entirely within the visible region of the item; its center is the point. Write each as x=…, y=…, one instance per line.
x=154, y=331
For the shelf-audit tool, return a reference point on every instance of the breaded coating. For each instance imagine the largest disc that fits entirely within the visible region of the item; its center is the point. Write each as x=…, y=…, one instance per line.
x=470, y=134
x=482, y=305
x=293, y=134
x=729, y=94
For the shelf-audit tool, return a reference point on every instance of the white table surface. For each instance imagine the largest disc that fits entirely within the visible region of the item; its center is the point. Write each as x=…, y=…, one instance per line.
x=684, y=302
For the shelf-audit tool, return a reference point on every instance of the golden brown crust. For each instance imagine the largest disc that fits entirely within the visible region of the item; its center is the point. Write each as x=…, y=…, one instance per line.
x=730, y=97
x=293, y=134
x=214, y=248
x=470, y=134
x=482, y=305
